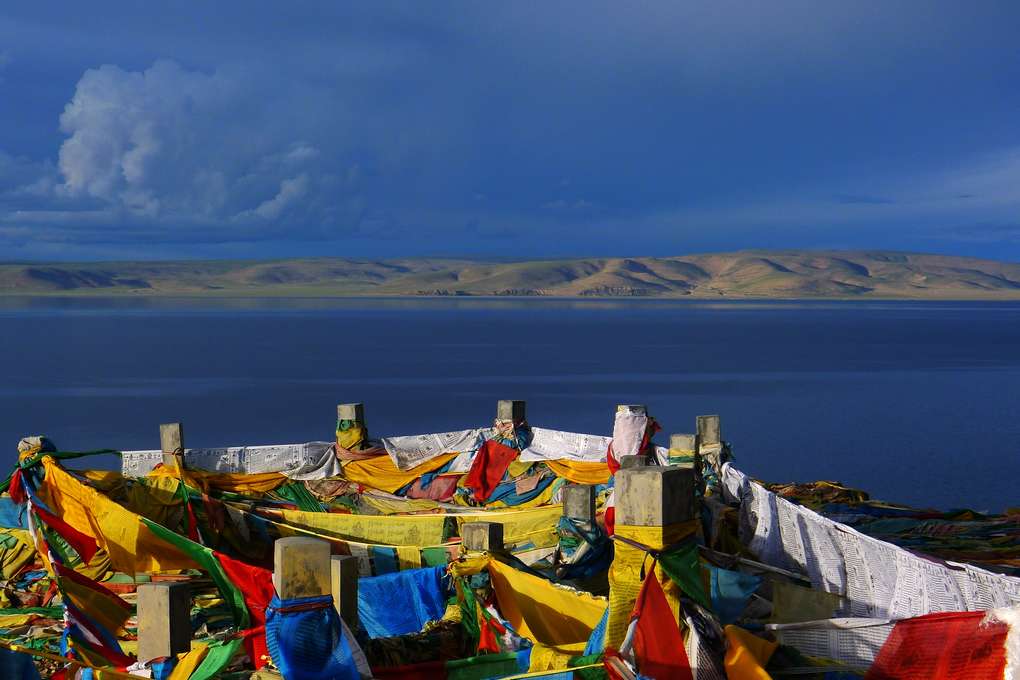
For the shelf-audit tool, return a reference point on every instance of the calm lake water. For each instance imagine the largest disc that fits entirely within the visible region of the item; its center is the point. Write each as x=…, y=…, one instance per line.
x=914, y=402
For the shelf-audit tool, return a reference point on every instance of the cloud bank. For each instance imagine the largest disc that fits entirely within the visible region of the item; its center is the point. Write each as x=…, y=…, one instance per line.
x=393, y=130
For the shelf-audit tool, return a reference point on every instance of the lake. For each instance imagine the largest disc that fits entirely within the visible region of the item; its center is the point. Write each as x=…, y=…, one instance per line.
x=915, y=402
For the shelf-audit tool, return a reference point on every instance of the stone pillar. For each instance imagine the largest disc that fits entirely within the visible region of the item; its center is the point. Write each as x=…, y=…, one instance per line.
x=482, y=536
x=630, y=462
x=655, y=506
x=636, y=409
x=355, y=412
x=710, y=446
x=579, y=503
x=343, y=572
x=709, y=430
x=655, y=496
x=171, y=443
x=301, y=567
x=164, y=619
x=683, y=449
x=508, y=409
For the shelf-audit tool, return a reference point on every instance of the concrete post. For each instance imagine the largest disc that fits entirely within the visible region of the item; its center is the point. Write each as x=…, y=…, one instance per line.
x=684, y=442
x=709, y=430
x=343, y=576
x=301, y=567
x=355, y=412
x=164, y=619
x=655, y=496
x=636, y=409
x=508, y=409
x=171, y=443
x=579, y=503
x=482, y=536
x=683, y=449
x=654, y=506
x=629, y=462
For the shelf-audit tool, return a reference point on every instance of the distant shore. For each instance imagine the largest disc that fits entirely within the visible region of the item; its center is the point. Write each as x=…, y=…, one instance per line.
x=743, y=275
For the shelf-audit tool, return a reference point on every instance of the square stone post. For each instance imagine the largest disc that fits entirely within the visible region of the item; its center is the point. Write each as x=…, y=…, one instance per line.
x=630, y=462
x=164, y=619
x=301, y=567
x=171, y=443
x=482, y=536
x=683, y=450
x=579, y=503
x=654, y=506
x=343, y=572
x=655, y=496
x=709, y=430
x=355, y=412
x=512, y=410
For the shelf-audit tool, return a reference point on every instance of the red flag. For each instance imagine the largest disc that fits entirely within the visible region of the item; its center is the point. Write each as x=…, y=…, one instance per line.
x=488, y=468
x=658, y=645
x=944, y=646
x=256, y=586
x=83, y=544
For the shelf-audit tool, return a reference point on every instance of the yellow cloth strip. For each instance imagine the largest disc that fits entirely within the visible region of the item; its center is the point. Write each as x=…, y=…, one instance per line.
x=187, y=663
x=14, y=558
x=545, y=674
x=351, y=437
x=625, y=573
x=517, y=524
x=107, y=612
x=234, y=483
x=746, y=655
x=542, y=612
x=408, y=557
x=399, y=506
x=580, y=472
x=12, y=620
x=104, y=480
x=131, y=546
x=380, y=472
x=416, y=530
x=101, y=673
x=545, y=658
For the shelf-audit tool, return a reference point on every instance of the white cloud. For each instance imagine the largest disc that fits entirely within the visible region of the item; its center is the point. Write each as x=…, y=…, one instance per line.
x=170, y=145
x=290, y=190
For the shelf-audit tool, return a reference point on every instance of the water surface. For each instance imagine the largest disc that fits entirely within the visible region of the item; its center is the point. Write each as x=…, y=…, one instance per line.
x=915, y=402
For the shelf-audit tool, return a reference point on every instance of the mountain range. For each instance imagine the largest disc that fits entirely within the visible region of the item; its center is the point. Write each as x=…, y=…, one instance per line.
x=741, y=274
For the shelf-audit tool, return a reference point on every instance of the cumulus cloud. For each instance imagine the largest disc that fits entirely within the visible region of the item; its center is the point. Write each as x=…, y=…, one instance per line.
x=174, y=146
x=290, y=191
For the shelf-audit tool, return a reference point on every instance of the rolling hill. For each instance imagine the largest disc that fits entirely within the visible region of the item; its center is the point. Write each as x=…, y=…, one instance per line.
x=742, y=274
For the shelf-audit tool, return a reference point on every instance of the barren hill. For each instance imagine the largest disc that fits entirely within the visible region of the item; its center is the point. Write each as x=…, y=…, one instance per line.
x=743, y=274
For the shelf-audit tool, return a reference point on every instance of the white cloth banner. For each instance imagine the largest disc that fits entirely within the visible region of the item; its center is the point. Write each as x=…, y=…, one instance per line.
x=557, y=445
x=854, y=642
x=875, y=578
x=628, y=431
x=413, y=450
x=311, y=460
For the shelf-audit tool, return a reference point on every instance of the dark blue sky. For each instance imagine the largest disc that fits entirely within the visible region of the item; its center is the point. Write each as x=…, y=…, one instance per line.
x=257, y=129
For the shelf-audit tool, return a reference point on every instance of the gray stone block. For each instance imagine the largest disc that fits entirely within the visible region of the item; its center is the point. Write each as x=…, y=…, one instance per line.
x=343, y=571
x=655, y=496
x=637, y=409
x=482, y=536
x=709, y=430
x=638, y=461
x=579, y=502
x=683, y=442
x=301, y=567
x=164, y=619
x=508, y=409
x=355, y=412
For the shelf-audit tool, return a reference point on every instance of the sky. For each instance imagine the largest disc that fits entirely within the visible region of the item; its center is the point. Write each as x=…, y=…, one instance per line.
x=256, y=129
